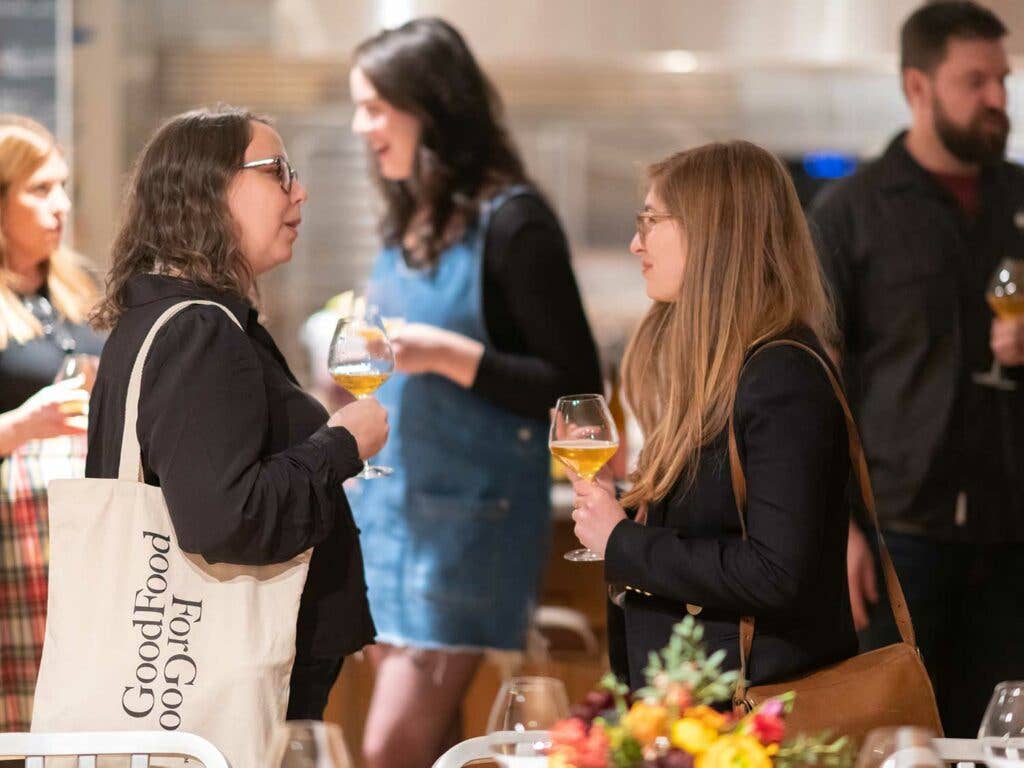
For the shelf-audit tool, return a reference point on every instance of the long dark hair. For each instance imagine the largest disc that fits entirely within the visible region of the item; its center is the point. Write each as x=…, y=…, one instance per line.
x=425, y=68
x=176, y=218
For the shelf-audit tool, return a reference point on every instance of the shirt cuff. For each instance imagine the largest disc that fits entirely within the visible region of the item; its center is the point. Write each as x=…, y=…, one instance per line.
x=488, y=377
x=341, y=450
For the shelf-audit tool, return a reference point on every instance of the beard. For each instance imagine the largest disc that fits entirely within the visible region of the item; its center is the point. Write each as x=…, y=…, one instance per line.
x=977, y=143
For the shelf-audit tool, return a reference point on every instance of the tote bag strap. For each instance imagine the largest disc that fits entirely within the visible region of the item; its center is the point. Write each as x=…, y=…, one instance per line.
x=897, y=601
x=130, y=467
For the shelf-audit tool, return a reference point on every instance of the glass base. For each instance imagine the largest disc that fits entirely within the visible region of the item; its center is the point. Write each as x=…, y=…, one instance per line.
x=372, y=471
x=994, y=380
x=582, y=556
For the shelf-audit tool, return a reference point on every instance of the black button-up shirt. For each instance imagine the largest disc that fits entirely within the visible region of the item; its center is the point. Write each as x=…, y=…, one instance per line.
x=909, y=271
x=250, y=471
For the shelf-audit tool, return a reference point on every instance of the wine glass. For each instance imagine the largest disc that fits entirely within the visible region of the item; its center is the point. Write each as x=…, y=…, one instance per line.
x=584, y=438
x=360, y=360
x=311, y=744
x=78, y=365
x=528, y=703
x=1002, y=727
x=902, y=747
x=1006, y=297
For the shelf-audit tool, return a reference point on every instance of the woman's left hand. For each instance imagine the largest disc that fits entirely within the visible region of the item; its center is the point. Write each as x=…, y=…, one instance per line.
x=417, y=347
x=596, y=512
x=422, y=348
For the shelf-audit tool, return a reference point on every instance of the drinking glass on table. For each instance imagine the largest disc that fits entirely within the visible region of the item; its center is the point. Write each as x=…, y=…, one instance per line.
x=360, y=360
x=899, y=747
x=584, y=438
x=1002, y=727
x=312, y=744
x=528, y=703
x=1005, y=296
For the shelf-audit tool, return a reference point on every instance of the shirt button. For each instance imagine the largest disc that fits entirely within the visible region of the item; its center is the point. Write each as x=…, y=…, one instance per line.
x=525, y=433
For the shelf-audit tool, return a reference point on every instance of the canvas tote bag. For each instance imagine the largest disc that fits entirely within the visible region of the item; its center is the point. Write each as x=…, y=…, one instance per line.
x=143, y=636
x=887, y=686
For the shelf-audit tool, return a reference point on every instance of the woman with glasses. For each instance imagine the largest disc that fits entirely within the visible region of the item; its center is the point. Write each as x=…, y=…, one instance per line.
x=727, y=260
x=251, y=467
x=46, y=293
x=476, y=263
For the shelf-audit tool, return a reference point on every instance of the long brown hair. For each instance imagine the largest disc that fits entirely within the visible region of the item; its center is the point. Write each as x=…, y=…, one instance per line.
x=750, y=273
x=24, y=146
x=176, y=217
x=425, y=68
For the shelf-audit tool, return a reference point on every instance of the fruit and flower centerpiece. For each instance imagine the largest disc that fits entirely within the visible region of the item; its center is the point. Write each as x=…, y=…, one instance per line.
x=672, y=723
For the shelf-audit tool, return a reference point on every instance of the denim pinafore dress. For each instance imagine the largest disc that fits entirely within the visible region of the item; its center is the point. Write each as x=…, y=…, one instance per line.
x=455, y=540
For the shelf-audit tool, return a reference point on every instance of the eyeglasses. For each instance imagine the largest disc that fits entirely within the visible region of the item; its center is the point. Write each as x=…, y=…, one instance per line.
x=645, y=220
x=285, y=173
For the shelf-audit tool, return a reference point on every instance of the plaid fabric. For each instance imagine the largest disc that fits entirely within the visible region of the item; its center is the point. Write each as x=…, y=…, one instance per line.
x=24, y=556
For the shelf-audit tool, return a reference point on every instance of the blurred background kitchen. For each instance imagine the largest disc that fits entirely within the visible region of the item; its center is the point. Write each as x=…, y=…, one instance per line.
x=594, y=90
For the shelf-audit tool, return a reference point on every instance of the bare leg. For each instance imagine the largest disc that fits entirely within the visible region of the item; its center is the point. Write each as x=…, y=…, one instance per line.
x=416, y=699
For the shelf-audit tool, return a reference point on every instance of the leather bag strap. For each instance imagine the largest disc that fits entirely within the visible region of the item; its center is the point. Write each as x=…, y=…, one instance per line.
x=860, y=468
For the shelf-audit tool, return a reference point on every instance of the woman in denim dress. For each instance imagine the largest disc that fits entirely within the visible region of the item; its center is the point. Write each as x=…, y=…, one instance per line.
x=477, y=266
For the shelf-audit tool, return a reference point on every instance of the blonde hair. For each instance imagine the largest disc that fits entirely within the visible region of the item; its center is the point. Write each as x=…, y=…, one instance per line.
x=24, y=146
x=750, y=273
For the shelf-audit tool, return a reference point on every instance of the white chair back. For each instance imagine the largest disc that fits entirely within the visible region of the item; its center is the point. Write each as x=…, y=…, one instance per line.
x=511, y=749
x=86, y=746
x=996, y=753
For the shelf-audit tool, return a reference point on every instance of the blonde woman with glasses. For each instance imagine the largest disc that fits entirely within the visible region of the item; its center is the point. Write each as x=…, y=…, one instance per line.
x=726, y=257
x=45, y=295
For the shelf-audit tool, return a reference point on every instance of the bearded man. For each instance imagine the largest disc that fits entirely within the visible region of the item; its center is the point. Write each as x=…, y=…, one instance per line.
x=909, y=244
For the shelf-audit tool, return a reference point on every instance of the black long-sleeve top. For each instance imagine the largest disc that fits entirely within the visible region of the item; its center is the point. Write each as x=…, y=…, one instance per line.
x=791, y=572
x=542, y=345
x=249, y=469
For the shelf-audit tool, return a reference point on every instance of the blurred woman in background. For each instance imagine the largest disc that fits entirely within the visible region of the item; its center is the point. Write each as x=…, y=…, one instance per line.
x=46, y=294
x=476, y=264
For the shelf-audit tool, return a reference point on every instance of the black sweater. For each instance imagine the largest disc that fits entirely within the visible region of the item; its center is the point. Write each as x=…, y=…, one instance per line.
x=542, y=346
x=791, y=572
x=250, y=472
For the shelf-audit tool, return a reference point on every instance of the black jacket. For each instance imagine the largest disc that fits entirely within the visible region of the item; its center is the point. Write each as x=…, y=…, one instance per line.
x=250, y=471
x=791, y=572
x=909, y=271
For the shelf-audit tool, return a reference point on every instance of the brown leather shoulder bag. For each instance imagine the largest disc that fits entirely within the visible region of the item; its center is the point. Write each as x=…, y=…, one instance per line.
x=887, y=686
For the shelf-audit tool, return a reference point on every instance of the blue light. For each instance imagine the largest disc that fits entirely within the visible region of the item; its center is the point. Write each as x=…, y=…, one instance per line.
x=829, y=165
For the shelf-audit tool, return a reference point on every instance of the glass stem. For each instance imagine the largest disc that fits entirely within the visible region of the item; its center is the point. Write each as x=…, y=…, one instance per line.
x=366, y=461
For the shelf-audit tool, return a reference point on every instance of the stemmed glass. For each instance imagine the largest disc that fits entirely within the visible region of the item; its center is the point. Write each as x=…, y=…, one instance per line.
x=1002, y=727
x=584, y=438
x=311, y=744
x=899, y=747
x=1006, y=297
x=523, y=708
x=360, y=360
x=528, y=703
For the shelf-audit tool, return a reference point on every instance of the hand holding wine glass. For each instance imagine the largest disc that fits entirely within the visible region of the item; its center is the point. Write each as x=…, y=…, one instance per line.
x=367, y=421
x=361, y=360
x=1006, y=297
x=584, y=438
